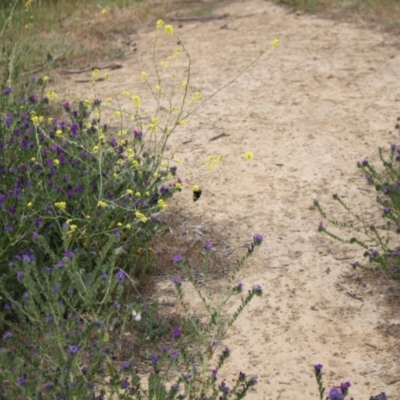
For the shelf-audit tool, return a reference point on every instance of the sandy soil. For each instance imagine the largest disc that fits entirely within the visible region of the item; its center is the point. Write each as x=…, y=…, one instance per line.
x=326, y=98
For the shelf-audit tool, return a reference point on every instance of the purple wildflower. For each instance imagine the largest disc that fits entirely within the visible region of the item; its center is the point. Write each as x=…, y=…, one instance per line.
x=344, y=387
x=120, y=275
x=21, y=380
x=73, y=349
x=318, y=367
x=177, y=258
x=174, y=354
x=8, y=90
x=258, y=290
x=257, y=239
x=20, y=275
x=208, y=246
x=176, y=334
x=335, y=394
x=239, y=287
x=154, y=358
x=177, y=282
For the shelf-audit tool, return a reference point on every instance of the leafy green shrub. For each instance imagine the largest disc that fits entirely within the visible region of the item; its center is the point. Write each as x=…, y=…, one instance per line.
x=376, y=235
x=72, y=343
x=67, y=178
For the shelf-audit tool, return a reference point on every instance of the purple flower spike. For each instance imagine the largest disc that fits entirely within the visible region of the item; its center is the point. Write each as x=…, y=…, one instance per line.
x=120, y=275
x=177, y=282
x=344, y=387
x=177, y=258
x=176, y=334
x=335, y=394
x=73, y=349
x=318, y=367
x=258, y=239
x=239, y=287
x=258, y=290
x=208, y=246
x=20, y=275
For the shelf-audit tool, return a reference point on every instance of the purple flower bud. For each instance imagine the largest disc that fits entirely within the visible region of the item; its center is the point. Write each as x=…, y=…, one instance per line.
x=239, y=287
x=257, y=239
x=176, y=334
x=177, y=282
x=20, y=275
x=120, y=275
x=177, y=258
x=318, y=367
x=208, y=246
x=73, y=349
x=334, y=394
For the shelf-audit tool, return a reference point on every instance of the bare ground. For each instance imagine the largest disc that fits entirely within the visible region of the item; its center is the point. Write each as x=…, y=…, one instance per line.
x=326, y=98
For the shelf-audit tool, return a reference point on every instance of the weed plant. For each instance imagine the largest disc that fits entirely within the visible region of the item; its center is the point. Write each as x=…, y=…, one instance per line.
x=377, y=236
x=338, y=392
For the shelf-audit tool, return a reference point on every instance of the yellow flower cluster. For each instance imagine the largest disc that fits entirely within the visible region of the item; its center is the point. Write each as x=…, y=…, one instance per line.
x=62, y=205
x=129, y=191
x=51, y=95
x=161, y=203
x=248, y=155
x=178, y=185
x=101, y=204
x=73, y=228
x=195, y=188
x=140, y=216
x=35, y=119
x=136, y=100
x=56, y=162
x=213, y=161
x=58, y=132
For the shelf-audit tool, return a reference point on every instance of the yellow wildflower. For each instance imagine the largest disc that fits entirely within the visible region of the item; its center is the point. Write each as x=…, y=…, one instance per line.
x=182, y=122
x=129, y=191
x=128, y=226
x=95, y=149
x=178, y=185
x=95, y=74
x=73, y=228
x=106, y=76
x=122, y=132
x=184, y=84
x=196, y=96
x=169, y=29
x=164, y=63
x=62, y=205
x=212, y=161
x=45, y=78
x=140, y=216
x=161, y=203
x=135, y=163
x=29, y=204
x=118, y=114
x=143, y=74
x=275, y=43
x=147, y=193
x=51, y=95
x=33, y=159
x=178, y=160
x=104, y=11
x=249, y=155
x=56, y=162
x=125, y=93
x=195, y=188
x=177, y=53
x=122, y=142
x=108, y=99
x=28, y=4
x=160, y=24
x=58, y=132
x=101, y=204
x=158, y=88
x=136, y=100
x=156, y=175
x=137, y=194
x=119, y=224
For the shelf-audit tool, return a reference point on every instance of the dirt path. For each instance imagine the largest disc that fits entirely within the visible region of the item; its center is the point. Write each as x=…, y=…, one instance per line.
x=309, y=110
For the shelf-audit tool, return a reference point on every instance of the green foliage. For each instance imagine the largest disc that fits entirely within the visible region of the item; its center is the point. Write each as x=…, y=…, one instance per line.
x=378, y=236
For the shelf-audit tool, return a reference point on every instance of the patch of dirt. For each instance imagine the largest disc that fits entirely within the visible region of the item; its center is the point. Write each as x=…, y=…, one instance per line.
x=326, y=98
